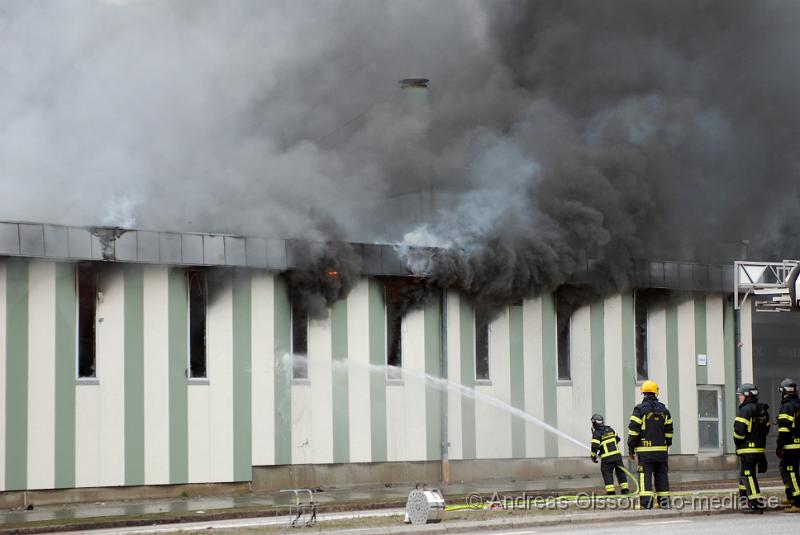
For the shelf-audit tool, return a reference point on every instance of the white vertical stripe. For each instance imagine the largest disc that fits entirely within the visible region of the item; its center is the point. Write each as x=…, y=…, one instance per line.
x=616, y=413
x=358, y=374
x=746, y=333
x=111, y=374
x=320, y=374
x=87, y=435
x=199, y=432
x=657, y=350
x=396, y=416
x=534, y=384
x=492, y=424
x=454, y=427
x=687, y=371
x=301, y=423
x=715, y=340
x=410, y=436
x=263, y=374
x=414, y=359
x=581, y=369
x=564, y=399
x=3, y=305
x=41, y=374
x=396, y=421
x=220, y=379
x=156, y=374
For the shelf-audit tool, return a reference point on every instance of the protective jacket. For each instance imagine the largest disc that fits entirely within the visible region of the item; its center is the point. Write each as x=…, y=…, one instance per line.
x=788, y=424
x=750, y=427
x=650, y=430
x=604, y=444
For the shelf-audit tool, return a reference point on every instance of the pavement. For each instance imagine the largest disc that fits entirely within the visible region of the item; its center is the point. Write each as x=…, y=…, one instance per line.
x=358, y=501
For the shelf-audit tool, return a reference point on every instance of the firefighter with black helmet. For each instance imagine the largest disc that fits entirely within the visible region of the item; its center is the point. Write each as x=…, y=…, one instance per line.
x=649, y=437
x=788, y=450
x=750, y=430
x=604, y=447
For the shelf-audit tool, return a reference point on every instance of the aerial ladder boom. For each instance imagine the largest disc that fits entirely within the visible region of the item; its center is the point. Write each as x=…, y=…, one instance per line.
x=773, y=286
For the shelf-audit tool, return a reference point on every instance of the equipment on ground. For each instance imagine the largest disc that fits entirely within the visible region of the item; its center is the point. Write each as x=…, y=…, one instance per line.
x=424, y=505
x=302, y=513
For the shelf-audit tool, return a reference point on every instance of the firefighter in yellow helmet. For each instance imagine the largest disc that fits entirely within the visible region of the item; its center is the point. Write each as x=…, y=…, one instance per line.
x=750, y=430
x=649, y=437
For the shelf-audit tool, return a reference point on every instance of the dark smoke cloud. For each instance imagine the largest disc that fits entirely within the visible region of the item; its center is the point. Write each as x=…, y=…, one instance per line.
x=555, y=132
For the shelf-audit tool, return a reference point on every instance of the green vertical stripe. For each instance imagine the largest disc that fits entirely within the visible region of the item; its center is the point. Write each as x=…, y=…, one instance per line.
x=16, y=374
x=700, y=337
x=178, y=363
x=596, y=319
x=377, y=379
x=65, y=376
x=341, y=394
x=549, y=358
x=283, y=375
x=517, y=380
x=628, y=358
x=242, y=378
x=467, y=323
x=433, y=367
x=729, y=401
x=673, y=374
x=134, y=375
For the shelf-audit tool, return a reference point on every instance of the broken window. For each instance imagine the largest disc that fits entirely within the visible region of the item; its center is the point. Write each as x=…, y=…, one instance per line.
x=86, y=283
x=393, y=298
x=482, y=331
x=299, y=340
x=563, y=321
x=640, y=334
x=197, y=285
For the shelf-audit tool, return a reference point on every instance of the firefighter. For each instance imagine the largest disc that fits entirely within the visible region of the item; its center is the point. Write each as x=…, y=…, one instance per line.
x=750, y=430
x=604, y=443
x=788, y=450
x=649, y=437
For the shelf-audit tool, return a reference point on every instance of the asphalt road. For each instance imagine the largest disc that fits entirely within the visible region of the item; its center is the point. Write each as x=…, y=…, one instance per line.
x=773, y=522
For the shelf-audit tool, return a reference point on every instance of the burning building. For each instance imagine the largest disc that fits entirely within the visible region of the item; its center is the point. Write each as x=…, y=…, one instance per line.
x=133, y=358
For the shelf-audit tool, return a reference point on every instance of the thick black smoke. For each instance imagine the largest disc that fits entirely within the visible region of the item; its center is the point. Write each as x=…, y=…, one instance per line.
x=324, y=272
x=554, y=133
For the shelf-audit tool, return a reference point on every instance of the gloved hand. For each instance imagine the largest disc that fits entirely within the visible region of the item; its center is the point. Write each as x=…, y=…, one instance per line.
x=594, y=459
x=632, y=456
x=779, y=453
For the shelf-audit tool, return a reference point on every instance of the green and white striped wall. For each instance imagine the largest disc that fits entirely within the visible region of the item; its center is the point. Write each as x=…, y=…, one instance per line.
x=143, y=422
x=523, y=372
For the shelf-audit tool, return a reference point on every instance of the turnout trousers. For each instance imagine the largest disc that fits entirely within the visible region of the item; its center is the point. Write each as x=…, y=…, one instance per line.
x=653, y=472
x=608, y=469
x=789, y=468
x=748, y=479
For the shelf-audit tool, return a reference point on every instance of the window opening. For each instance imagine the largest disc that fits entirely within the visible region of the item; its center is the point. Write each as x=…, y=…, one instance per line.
x=197, y=285
x=86, y=282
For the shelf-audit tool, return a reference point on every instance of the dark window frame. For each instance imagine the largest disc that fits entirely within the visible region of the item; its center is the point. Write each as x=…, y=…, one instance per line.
x=298, y=318
x=563, y=342
x=87, y=285
x=393, y=333
x=483, y=336
x=197, y=324
x=641, y=319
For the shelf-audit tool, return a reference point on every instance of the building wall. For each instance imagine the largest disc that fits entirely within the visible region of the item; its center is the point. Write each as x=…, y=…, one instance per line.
x=142, y=422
